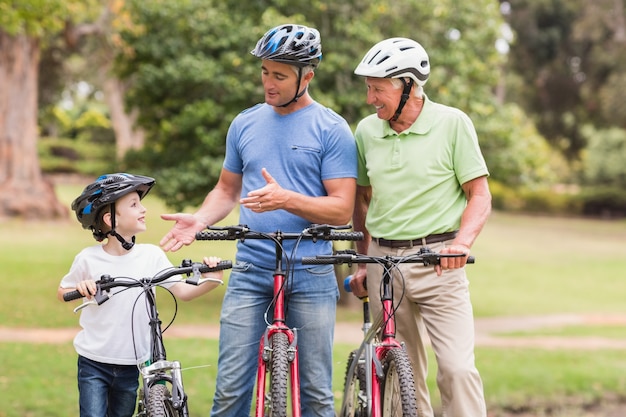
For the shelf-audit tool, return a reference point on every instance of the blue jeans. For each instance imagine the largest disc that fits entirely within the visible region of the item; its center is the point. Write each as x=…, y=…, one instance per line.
x=106, y=390
x=311, y=309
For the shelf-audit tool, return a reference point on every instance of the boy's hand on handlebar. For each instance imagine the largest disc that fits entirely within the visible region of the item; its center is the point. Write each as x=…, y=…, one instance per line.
x=183, y=232
x=452, y=263
x=87, y=288
x=212, y=261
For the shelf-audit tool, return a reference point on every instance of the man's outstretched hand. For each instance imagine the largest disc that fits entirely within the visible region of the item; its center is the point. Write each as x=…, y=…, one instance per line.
x=183, y=232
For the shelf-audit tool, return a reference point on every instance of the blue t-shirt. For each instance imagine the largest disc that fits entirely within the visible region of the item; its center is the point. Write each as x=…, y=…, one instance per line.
x=300, y=150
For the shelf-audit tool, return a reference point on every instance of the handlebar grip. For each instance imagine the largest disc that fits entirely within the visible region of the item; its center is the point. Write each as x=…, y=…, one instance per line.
x=346, y=236
x=213, y=235
x=72, y=295
x=219, y=267
x=313, y=260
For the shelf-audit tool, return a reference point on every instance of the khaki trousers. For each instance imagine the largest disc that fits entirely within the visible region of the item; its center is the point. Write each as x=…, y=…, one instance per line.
x=439, y=309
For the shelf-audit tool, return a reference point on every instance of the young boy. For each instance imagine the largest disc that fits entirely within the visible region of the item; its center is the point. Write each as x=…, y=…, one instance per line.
x=108, y=375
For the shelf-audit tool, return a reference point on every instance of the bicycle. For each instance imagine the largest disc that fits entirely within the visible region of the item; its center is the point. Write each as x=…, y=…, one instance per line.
x=278, y=349
x=162, y=392
x=379, y=379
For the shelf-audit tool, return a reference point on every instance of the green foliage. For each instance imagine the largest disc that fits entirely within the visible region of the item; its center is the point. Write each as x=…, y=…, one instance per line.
x=79, y=115
x=516, y=154
x=603, y=201
x=191, y=73
x=604, y=159
x=32, y=17
x=541, y=200
x=572, y=66
x=63, y=155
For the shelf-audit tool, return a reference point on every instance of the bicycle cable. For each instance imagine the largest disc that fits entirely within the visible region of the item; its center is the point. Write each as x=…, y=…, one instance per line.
x=148, y=285
x=390, y=268
x=269, y=308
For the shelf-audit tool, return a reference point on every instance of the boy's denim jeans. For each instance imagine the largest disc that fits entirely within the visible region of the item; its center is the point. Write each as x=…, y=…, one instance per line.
x=106, y=390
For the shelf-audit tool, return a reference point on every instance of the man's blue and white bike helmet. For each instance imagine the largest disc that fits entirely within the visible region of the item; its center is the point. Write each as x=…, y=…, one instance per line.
x=290, y=44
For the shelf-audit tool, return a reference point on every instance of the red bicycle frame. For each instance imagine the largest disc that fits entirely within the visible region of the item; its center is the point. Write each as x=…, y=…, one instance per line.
x=388, y=341
x=278, y=326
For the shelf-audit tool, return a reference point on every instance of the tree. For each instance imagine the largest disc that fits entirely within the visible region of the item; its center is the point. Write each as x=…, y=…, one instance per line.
x=23, y=190
x=571, y=58
x=191, y=72
x=97, y=38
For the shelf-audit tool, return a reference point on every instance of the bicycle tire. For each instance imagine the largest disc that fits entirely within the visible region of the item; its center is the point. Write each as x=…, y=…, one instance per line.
x=159, y=402
x=276, y=403
x=355, y=399
x=398, y=385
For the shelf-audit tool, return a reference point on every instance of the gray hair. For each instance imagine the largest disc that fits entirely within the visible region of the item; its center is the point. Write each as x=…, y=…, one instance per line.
x=418, y=91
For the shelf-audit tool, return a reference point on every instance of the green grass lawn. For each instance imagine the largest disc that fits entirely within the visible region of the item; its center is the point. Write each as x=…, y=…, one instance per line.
x=526, y=265
x=39, y=379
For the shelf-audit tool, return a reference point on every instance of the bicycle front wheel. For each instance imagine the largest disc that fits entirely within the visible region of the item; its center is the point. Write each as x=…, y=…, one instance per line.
x=355, y=394
x=159, y=402
x=276, y=403
x=398, y=385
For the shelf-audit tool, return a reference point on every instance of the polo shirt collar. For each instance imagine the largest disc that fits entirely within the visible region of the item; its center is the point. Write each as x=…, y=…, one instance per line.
x=421, y=126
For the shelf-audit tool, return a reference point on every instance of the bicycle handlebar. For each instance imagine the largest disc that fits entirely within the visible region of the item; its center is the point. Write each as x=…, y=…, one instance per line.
x=187, y=267
x=314, y=232
x=424, y=256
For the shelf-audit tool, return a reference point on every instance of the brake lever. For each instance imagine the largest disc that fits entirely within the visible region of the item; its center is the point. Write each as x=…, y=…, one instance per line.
x=85, y=304
x=203, y=280
x=197, y=279
x=99, y=298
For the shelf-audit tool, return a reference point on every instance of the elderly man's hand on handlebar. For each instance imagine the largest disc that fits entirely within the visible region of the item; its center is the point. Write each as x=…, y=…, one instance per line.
x=452, y=263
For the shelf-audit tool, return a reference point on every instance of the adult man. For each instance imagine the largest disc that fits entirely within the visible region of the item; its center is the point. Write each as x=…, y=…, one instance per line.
x=289, y=162
x=422, y=181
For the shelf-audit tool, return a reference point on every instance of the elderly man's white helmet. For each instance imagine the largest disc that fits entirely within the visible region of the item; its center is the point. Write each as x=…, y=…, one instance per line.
x=396, y=58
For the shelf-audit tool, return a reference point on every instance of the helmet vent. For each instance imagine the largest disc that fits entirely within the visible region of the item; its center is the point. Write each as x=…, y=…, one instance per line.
x=396, y=58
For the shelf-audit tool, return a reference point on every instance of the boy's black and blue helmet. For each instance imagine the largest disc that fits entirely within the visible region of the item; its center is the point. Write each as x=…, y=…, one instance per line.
x=105, y=190
x=290, y=44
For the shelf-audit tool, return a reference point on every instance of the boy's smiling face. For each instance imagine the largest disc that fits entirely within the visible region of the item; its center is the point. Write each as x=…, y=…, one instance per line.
x=130, y=215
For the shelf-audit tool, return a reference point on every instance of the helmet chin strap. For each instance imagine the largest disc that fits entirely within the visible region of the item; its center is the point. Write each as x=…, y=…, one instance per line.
x=405, y=96
x=298, y=95
x=125, y=244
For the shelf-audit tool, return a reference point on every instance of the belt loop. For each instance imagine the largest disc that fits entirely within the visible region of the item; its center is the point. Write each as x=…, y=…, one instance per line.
x=410, y=244
x=423, y=241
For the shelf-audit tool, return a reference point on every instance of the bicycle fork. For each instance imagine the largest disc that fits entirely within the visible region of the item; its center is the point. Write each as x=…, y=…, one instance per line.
x=266, y=351
x=163, y=371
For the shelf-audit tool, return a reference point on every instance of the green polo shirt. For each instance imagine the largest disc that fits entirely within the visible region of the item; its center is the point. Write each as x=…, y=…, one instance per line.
x=416, y=175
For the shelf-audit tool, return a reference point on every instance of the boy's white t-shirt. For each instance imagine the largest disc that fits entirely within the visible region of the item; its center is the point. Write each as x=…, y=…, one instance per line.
x=108, y=334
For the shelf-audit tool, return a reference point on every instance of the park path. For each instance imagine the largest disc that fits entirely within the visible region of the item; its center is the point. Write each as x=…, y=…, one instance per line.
x=489, y=332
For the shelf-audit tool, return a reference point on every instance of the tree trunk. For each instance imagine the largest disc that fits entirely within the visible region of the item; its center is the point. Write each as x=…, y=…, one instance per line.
x=127, y=135
x=23, y=190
